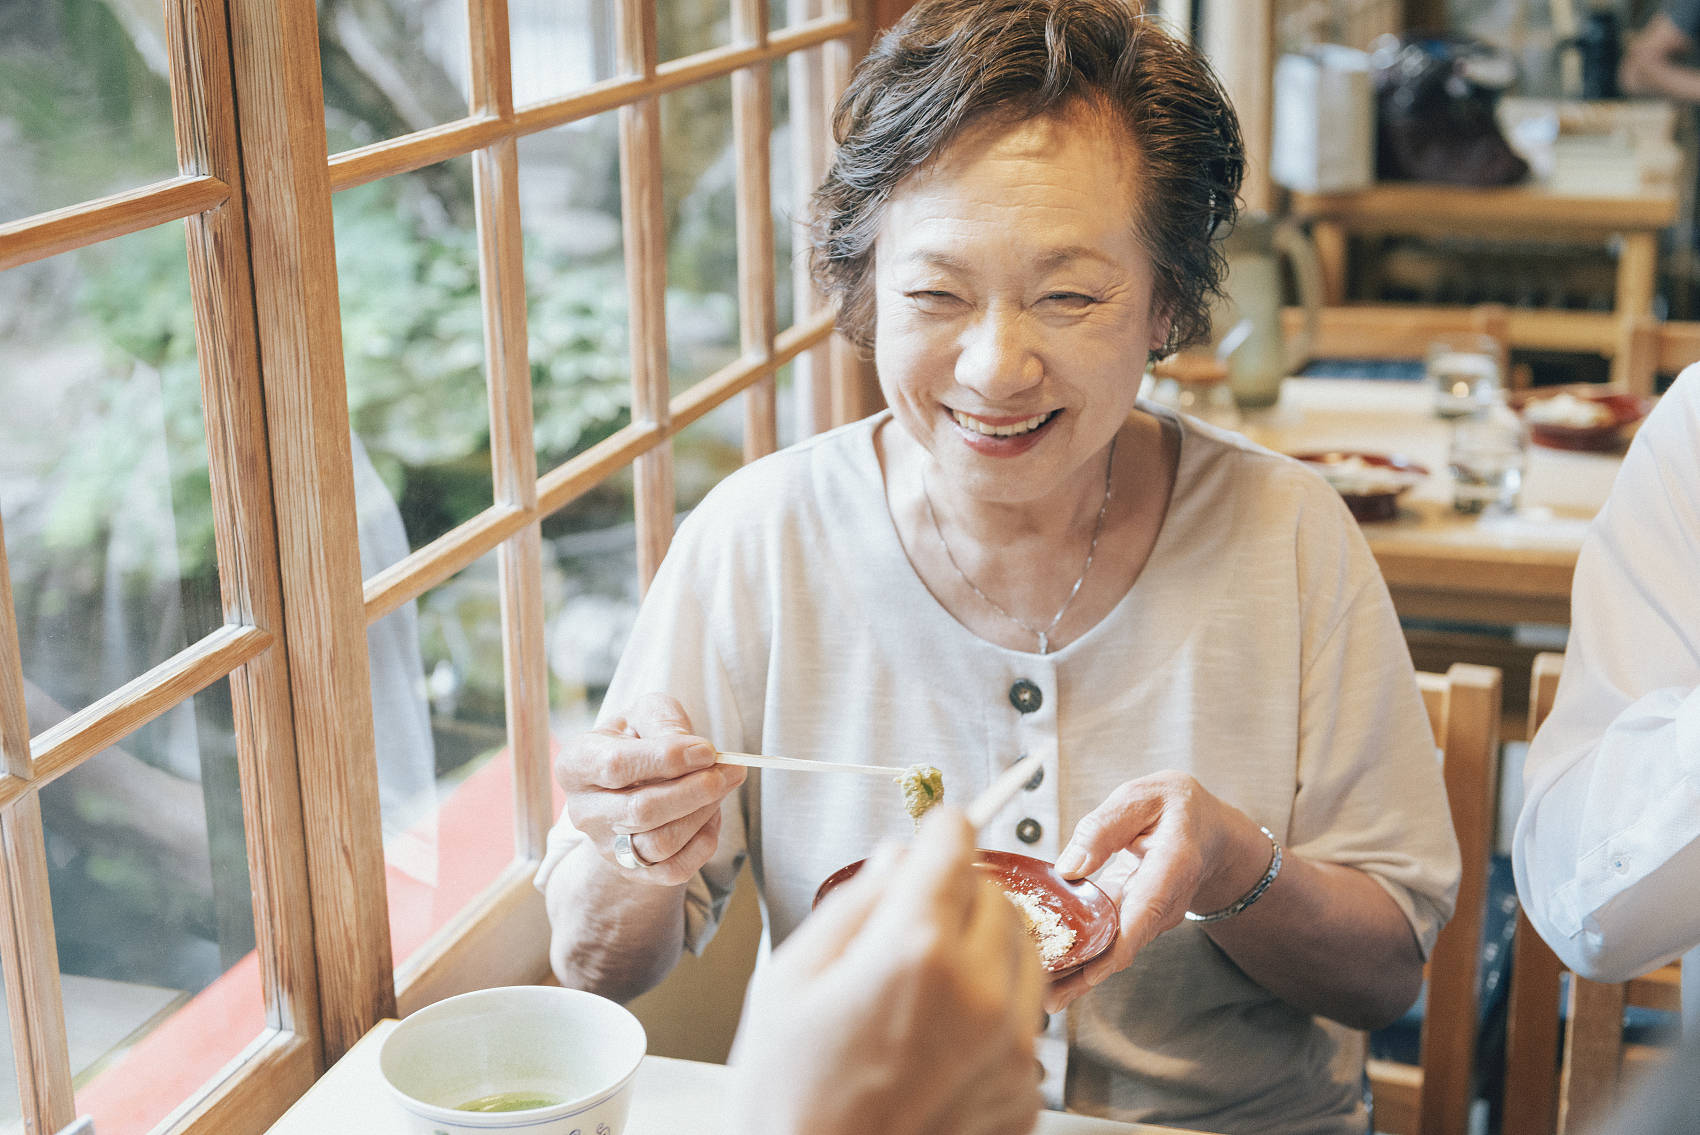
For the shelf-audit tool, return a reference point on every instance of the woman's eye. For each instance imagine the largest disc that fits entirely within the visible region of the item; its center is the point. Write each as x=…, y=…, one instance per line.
x=930, y=300
x=1069, y=299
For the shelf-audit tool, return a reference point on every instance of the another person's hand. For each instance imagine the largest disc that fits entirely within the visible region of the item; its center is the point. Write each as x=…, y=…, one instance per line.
x=1186, y=849
x=646, y=776
x=907, y=1004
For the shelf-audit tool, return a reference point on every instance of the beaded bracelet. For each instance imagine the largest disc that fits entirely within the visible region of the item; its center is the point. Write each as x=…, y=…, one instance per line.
x=1256, y=891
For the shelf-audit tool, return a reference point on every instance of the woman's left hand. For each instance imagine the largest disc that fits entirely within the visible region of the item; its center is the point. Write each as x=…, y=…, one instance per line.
x=1189, y=850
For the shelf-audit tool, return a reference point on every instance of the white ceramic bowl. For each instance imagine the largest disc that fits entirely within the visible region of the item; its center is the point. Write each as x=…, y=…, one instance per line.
x=571, y=1047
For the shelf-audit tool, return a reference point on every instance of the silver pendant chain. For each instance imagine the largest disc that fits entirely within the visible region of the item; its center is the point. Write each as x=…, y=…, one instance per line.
x=1044, y=636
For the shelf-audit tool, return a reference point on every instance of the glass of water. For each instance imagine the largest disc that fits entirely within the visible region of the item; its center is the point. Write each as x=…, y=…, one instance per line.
x=1486, y=458
x=1462, y=370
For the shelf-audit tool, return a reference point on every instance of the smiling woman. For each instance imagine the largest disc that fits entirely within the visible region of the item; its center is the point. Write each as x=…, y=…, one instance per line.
x=1021, y=557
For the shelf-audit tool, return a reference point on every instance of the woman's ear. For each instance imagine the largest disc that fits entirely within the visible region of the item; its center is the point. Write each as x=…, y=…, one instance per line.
x=1161, y=321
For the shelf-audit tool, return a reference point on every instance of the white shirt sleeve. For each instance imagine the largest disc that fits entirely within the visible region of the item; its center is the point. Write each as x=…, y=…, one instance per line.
x=672, y=650
x=1607, y=848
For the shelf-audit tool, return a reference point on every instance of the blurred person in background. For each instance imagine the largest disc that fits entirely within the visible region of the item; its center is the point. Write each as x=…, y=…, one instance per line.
x=1659, y=59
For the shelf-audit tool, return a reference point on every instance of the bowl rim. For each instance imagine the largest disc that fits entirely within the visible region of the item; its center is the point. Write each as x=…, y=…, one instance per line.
x=1626, y=409
x=1397, y=462
x=984, y=857
x=566, y=1109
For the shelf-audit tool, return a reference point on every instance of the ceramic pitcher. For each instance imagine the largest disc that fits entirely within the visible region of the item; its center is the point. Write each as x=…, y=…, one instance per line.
x=1247, y=321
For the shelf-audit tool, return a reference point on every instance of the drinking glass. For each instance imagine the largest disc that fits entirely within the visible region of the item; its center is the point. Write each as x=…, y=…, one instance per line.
x=1462, y=370
x=1486, y=457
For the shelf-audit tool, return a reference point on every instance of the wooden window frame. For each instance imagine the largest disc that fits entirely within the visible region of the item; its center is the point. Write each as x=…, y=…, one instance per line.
x=261, y=255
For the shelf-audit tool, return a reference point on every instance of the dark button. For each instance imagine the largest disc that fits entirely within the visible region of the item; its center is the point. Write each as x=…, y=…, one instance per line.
x=1025, y=696
x=1029, y=831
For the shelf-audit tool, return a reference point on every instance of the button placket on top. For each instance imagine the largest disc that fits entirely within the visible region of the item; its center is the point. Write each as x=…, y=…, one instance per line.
x=1030, y=700
x=1029, y=823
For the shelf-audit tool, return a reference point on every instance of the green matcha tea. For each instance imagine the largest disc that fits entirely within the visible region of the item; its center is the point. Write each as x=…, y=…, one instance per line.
x=508, y=1101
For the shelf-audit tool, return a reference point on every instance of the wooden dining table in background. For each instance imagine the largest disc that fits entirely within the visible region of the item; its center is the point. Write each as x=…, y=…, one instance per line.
x=1441, y=565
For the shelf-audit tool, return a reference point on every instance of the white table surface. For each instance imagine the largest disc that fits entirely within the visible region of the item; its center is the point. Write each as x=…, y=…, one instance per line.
x=672, y=1097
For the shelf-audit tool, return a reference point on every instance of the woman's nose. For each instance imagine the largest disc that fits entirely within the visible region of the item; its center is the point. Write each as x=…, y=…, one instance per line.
x=996, y=357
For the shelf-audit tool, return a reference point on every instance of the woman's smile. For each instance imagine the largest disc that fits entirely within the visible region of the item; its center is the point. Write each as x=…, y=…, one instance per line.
x=1003, y=436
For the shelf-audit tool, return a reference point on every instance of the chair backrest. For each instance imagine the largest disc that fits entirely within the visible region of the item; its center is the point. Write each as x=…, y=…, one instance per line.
x=1532, y=1017
x=1434, y=1098
x=1371, y=332
x=1650, y=347
x=1543, y=1093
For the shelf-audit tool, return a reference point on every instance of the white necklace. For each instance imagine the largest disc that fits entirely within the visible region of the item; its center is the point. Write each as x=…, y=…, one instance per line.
x=1044, y=636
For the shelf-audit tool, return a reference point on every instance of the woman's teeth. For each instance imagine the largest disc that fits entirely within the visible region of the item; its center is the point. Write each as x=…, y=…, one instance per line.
x=1026, y=426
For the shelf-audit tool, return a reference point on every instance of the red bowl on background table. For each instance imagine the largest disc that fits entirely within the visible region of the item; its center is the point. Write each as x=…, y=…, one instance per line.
x=1370, y=483
x=1081, y=905
x=1618, y=411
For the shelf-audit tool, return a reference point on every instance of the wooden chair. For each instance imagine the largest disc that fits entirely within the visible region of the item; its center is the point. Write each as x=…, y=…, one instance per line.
x=1434, y=1096
x=1651, y=347
x=1544, y=1094
x=1403, y=333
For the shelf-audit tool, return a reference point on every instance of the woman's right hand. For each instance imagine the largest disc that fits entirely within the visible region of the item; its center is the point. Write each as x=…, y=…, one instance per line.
x=647, y=776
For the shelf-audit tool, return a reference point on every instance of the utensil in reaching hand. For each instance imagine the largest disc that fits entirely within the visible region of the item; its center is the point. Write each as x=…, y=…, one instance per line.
x=998, y=793
x=761, y=760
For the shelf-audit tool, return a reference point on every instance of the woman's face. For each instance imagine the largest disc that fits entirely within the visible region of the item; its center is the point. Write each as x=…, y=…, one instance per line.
x=1014, y=307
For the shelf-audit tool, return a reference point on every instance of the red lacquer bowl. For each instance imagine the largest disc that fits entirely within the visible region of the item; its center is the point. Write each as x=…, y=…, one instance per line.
x=1603, y=437
x=1370, y=483
x=1083, y=907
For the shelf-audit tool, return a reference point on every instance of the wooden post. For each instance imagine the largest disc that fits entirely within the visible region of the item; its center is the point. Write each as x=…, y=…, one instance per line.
x=643, y=214
x=1239, y=38
x=513, y=450
x=279, y=100
x=752, y=132
x=238, y=464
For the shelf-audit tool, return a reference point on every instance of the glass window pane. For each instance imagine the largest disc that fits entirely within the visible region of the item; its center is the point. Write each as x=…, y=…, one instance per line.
x=784, y=13
x=445, y=772
x=153, y=914
x=413, y=347
x=575, y=280
x=103, y=468
x=699, y=183
x=84, y=105
x=559, y=46
x=786, y=398
x=706, y=451
x=685, y=27
x=590, y=553
x=391, y=67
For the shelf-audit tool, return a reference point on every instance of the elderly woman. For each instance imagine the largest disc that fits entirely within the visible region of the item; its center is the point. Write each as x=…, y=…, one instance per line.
x=1020, y=556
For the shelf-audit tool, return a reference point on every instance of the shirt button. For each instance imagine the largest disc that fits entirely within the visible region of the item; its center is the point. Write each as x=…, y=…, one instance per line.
x=1025, y=696
x=1036, y=779
x=1619, y=864
x=1029, y=831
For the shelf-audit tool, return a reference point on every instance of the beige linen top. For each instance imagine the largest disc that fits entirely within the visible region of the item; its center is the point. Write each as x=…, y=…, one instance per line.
x=1258, y=651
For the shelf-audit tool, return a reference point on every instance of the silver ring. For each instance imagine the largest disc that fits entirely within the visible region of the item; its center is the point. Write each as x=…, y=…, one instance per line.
x=626, y=855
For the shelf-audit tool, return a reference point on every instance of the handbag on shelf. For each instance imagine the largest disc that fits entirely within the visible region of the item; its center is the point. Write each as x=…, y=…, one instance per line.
x=1435, y=99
